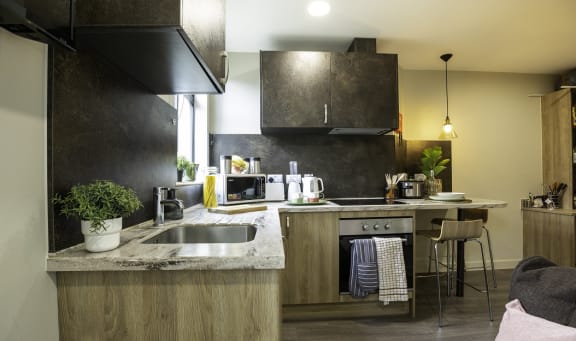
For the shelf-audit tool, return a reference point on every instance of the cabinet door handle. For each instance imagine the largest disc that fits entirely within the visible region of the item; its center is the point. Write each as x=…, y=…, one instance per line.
x=325, y=113
x=287, y=227
x=224, y=56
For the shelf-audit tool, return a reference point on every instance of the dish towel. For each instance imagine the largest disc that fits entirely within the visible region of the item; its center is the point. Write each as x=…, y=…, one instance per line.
x=363, y=268
x=391, y=270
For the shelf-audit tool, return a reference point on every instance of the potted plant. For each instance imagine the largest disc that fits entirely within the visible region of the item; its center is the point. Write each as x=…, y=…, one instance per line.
x=100, y=205
x=191, y=170
x=432, y=165
x=181, y=164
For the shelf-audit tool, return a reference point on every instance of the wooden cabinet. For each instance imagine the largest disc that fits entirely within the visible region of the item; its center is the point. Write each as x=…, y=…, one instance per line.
x=550, y=234
x=558, y=142
x=320, y=91
x=311, y=253
x=169, y=305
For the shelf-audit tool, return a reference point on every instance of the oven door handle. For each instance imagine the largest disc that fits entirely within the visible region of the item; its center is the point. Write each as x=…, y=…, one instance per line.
x=404, y=240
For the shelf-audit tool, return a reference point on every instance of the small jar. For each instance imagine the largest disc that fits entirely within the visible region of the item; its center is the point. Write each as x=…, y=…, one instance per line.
x=209, y=198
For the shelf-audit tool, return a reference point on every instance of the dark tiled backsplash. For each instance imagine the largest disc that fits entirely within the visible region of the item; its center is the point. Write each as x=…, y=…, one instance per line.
x=350, y=166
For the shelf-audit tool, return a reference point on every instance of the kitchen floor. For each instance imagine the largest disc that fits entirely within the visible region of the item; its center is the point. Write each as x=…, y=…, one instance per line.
x=465, y=318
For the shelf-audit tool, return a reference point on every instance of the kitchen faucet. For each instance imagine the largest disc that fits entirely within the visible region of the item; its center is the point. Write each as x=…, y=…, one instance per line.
x=160, y=202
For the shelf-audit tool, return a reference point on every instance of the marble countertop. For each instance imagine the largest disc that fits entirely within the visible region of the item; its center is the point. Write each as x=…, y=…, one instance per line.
x=264, y=252
x=408, y=204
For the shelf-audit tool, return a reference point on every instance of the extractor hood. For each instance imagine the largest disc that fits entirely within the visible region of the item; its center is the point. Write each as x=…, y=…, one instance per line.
x=17, y=19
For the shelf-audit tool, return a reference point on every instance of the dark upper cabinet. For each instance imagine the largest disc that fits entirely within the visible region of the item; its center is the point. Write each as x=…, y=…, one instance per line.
x=340, y=93
x=295, y=90
x=170, y=46
x=364, y=90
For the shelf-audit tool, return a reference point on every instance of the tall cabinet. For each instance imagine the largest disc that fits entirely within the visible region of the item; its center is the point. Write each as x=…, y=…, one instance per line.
x=558, y=142
x=552, y=233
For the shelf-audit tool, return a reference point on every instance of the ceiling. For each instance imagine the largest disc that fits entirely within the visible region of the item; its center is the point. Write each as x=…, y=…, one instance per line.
x=518, y=36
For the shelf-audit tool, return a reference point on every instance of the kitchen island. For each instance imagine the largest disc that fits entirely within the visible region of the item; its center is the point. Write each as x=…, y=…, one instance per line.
x=191, y=291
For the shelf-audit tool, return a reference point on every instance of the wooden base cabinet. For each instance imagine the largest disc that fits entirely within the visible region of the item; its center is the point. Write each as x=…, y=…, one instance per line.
x=550, y=234
x=311, y=253
x=169, y=305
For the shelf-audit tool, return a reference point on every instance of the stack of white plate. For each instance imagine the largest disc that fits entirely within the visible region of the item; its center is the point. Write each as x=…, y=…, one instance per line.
x=448, y=196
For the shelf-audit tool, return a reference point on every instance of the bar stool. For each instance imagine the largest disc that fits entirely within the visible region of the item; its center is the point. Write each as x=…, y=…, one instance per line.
x=472, y=214
x=457, y=230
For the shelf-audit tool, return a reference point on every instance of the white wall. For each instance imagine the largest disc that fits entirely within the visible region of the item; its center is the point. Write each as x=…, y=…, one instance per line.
x=27, y=292
x=238, y=110
x=498, y=152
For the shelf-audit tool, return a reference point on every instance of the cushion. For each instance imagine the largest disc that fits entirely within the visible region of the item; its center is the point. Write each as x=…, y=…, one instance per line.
x=518, y=325
x=545, y=289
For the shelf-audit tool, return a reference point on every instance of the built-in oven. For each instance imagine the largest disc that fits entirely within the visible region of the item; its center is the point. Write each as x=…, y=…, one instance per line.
x=366, y=228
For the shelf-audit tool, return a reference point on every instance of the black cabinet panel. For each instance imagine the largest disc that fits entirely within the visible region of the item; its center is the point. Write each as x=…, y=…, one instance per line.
x=295, y=89
x=303, y=91
x=364, y=90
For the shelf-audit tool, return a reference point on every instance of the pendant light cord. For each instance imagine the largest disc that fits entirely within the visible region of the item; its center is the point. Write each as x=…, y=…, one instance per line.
x=446, y=85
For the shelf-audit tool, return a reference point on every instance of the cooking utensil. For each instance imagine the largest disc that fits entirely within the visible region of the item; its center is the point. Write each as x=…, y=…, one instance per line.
x=411, y=189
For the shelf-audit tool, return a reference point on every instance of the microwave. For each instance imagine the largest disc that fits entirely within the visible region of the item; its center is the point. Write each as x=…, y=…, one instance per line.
x=240, y=188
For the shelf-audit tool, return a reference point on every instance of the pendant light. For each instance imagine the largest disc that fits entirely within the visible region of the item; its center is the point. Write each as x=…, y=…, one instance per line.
x=448, y=131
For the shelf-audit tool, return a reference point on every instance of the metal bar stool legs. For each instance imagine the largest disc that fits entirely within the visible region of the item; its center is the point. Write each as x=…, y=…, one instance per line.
x=491, y=255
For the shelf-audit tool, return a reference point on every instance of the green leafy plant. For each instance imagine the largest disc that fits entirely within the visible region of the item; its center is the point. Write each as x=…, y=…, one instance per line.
x=98, y=201
x=432, y=160
x=191, y=169
x=182, y=163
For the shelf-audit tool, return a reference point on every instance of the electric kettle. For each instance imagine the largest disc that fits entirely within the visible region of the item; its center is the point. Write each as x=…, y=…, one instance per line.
x=312, y=186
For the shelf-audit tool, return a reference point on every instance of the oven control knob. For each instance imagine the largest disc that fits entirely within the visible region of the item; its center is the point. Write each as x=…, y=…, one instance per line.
x=376, y=227
x=387, y=227
x=364, y=227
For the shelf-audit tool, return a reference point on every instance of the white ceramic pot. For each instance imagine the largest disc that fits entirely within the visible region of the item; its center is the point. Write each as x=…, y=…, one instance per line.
x=102, y=240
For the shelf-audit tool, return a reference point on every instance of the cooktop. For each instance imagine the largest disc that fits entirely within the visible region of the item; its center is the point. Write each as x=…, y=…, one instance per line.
x=366, y=201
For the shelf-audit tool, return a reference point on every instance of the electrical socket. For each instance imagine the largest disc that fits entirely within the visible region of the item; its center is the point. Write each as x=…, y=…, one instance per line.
x=274, y=178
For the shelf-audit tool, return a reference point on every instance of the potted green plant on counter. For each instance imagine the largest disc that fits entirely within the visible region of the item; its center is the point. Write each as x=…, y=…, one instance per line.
x=181, y=164
x=100, y=205
x=432, y=165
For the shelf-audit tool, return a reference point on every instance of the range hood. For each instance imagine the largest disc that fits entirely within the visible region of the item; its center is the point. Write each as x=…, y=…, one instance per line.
x=359, y=131
x=17, y=19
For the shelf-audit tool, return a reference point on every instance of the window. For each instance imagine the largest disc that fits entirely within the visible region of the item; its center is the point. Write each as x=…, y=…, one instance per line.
x=193, y=128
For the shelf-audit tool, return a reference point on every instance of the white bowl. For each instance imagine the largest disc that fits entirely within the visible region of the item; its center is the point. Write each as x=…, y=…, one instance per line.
x=450, y=195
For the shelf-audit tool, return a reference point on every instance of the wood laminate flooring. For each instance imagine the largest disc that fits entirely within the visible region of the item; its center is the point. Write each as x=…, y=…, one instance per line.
x=465, y=318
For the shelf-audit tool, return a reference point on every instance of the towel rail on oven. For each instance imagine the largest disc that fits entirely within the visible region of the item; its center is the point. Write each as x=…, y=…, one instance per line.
x=404, y=240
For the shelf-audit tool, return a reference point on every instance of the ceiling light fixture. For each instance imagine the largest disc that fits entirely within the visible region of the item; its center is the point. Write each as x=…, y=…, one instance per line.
x=318, y=8
x=448, y=131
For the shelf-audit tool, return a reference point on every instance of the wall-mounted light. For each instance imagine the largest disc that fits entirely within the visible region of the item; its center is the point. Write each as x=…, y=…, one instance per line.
x=448, y=131
x=318, y=8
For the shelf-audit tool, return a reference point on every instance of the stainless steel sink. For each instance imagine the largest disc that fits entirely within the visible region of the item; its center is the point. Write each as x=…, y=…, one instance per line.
x=193, y=234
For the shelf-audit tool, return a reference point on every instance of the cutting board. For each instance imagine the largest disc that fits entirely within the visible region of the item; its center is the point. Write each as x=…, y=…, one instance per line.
x=238, y=209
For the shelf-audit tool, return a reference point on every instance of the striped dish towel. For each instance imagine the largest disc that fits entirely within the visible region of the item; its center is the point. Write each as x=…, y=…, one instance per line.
x=391, y=270
x=363, y=268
